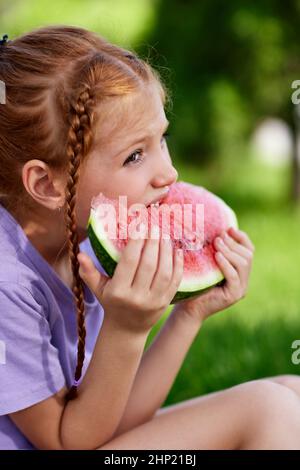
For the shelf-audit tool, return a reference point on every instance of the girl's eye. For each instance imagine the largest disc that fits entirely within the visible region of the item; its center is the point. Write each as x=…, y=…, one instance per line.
x=132, y=159
x=137, y=153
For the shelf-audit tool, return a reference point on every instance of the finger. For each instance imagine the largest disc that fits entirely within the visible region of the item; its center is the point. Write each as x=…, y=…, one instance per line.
x=94, y=279
x=178, y=265
x=149, y=260
x=237, y=261
x=231, y=275
x=164, y=271
x=241, y=237
x=237, y=247
x=128, y=262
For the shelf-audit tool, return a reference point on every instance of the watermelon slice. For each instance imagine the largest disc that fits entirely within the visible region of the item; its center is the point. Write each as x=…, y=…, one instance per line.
x=190, y=215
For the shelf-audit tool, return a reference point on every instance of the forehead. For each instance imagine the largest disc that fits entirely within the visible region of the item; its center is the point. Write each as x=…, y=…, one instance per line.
x=125, y=117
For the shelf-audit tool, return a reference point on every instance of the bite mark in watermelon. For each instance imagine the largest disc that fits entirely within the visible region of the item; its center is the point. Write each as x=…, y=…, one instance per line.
x=201, y=271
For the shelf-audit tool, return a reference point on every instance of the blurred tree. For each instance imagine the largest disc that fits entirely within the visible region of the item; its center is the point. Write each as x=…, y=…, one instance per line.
x=231, y=64
x=227, y=64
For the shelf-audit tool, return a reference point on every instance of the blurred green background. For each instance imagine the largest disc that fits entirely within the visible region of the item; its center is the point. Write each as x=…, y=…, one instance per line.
x=230, y=68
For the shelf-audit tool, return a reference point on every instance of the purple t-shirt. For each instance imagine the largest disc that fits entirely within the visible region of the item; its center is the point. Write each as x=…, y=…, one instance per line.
x=38, y=328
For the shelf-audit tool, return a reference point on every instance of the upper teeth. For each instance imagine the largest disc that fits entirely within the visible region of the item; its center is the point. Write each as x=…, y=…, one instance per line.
x=156, y=204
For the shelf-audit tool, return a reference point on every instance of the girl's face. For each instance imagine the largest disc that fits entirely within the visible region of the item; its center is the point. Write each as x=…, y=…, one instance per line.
x=132, y=157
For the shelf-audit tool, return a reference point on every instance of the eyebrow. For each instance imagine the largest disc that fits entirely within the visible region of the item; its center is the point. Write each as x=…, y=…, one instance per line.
x=143, y=137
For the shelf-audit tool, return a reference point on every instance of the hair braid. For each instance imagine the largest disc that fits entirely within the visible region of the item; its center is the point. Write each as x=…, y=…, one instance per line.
x=55, y=76
x=78, y=138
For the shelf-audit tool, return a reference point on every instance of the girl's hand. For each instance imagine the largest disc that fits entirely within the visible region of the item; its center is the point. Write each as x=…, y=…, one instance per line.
x=144, y=282
x=234, y=257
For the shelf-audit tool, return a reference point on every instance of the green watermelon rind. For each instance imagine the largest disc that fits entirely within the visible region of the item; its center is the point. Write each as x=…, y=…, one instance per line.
x=108, y=256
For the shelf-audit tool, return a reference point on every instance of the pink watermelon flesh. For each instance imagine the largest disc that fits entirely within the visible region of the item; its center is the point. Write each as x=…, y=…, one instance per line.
x=201, y=271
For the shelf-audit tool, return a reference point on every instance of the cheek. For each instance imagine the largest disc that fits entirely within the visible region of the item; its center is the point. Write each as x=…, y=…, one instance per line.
x=90, y=184
x=128, y=182
x=135, y=182
x=83, y=205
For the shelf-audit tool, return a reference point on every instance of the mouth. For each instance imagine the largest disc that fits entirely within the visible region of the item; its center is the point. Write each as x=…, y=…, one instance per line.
x=157, y=201
x=156, y=204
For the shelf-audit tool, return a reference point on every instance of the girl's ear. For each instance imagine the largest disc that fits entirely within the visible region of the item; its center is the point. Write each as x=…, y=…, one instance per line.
x=43, y=185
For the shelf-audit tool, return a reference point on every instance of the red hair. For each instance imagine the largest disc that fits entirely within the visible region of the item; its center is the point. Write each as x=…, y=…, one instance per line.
x=55, y=78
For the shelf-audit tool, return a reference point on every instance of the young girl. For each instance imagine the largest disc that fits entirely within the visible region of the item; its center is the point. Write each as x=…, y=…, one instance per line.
x=82, y=116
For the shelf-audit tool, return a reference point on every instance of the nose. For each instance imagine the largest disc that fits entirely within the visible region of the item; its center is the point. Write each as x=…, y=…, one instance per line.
x=166, y=175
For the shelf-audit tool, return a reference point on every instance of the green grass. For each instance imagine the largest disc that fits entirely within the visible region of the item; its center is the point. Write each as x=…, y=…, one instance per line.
x=253, y=338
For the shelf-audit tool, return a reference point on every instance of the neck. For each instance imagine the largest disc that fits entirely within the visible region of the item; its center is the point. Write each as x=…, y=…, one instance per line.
x=47, y=232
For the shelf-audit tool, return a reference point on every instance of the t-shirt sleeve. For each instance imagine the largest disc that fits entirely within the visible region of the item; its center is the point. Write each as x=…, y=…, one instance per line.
x=30, y=370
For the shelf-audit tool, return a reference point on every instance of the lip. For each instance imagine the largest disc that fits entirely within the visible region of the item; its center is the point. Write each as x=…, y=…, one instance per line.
x=158, y=199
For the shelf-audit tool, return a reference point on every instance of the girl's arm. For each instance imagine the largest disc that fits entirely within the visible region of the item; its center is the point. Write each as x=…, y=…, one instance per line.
x=92, y=418
x=134, y=299
x=94, y=415
x=158, y=369
x=161, y=362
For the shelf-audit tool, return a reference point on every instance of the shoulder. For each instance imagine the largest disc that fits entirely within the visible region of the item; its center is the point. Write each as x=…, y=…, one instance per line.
x=19, y=282
x=16, y=296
